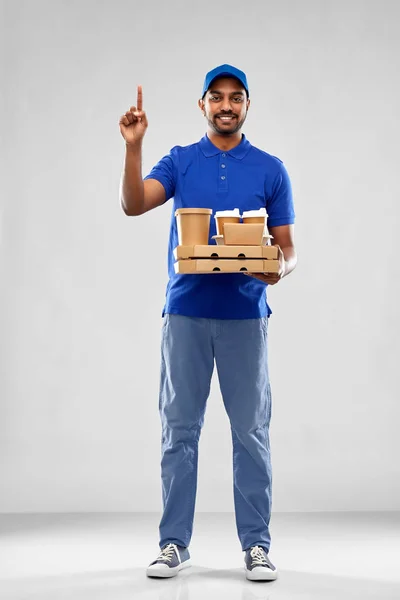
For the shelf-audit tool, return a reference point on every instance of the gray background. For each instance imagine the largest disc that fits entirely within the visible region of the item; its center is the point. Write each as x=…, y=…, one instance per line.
x=82, y=285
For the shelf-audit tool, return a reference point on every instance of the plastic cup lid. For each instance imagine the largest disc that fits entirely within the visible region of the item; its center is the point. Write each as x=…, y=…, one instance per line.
x=228, y=213
x=262, y=212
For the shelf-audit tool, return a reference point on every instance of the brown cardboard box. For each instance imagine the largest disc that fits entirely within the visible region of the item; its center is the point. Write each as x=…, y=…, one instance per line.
x=214, y=251
x=226, y=265
x=243, y=234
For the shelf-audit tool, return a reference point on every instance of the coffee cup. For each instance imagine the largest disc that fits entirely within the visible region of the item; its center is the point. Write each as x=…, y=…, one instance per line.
x=255, y=216
x=226, y=216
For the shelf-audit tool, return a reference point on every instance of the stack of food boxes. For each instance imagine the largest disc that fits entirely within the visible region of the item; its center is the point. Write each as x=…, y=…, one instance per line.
x=242, y=242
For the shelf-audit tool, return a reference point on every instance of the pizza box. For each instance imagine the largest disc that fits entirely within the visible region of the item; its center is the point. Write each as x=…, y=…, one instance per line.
x=225, y=252
x=226, y=265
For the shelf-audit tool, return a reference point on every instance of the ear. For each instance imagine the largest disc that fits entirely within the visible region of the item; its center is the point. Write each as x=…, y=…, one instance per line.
x=201, y=105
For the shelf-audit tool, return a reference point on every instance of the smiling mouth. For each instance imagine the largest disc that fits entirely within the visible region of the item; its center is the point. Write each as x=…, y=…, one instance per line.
x=226, y=119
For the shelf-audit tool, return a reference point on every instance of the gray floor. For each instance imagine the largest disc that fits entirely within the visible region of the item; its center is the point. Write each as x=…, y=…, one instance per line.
x=103, y=556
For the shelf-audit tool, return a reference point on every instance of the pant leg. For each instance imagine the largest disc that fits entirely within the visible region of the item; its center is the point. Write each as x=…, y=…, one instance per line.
x=242, y=365
x=187, y=364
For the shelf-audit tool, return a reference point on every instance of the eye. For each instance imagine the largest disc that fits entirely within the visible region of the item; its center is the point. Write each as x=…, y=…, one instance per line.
x=238, y=99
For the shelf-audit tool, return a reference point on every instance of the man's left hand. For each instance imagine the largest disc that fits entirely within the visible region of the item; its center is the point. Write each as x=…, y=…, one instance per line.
x=272, y=278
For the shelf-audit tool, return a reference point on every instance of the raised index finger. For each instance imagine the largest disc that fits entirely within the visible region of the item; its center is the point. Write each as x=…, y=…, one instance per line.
x=139, y=103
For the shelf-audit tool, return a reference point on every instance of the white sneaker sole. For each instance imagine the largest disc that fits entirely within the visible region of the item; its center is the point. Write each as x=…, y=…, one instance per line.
x=261, y=574
x=158, y=570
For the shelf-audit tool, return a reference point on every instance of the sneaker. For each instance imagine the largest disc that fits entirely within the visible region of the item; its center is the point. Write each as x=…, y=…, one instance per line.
x=169, y=562
x=258, y=567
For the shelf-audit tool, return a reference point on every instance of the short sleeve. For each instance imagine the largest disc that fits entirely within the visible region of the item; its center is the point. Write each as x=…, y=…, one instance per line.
x=280, y=208
x=165, y=172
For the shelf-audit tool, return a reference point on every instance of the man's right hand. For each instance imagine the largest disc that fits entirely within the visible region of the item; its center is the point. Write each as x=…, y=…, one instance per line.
x=133, y=123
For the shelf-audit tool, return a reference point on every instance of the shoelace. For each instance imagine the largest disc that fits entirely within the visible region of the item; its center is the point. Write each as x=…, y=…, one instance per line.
x=167, y=553
x=258, y=557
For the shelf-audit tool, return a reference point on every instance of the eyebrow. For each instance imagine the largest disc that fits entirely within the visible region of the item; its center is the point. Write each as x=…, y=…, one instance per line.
x=231, y=94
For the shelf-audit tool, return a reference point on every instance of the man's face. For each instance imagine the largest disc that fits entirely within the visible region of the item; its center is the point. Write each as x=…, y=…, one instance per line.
x=227, y=98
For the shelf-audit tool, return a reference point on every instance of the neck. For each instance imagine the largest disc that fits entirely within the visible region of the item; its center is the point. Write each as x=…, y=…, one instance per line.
x=224, y=142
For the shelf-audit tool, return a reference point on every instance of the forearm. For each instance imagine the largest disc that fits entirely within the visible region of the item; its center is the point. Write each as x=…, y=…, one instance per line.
x=290, y=255
x=131, y=187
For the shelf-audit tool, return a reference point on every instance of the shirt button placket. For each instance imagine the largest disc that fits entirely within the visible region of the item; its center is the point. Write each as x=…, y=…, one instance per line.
x=222, y=174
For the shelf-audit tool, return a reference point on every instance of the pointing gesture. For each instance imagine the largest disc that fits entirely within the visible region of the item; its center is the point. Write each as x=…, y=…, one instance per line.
x=139, y=97
x=133, y=123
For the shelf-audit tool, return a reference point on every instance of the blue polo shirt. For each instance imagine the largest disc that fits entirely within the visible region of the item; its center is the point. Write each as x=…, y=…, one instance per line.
x=203, y=176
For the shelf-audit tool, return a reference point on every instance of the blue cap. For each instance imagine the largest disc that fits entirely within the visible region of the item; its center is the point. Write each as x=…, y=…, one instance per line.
x=225, y=71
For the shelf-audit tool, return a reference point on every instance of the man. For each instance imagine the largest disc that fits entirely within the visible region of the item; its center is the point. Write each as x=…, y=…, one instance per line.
x=221, y=318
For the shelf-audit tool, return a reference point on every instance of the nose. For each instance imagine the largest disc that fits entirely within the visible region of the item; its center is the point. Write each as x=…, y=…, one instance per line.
x=226, y=105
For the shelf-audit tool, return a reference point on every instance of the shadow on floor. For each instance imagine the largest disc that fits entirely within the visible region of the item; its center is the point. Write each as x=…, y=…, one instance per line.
x=196, y=583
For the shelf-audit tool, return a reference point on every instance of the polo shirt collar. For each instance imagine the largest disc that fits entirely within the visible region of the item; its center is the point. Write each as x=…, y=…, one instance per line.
x=239, y=152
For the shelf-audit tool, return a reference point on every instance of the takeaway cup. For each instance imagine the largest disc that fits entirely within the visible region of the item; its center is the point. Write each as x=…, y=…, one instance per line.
x=226, y=216
x=255, y=216
x=193, y=226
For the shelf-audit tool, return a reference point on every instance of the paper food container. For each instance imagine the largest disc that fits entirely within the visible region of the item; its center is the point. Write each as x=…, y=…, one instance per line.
x=237, y=234
x=193, y=225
